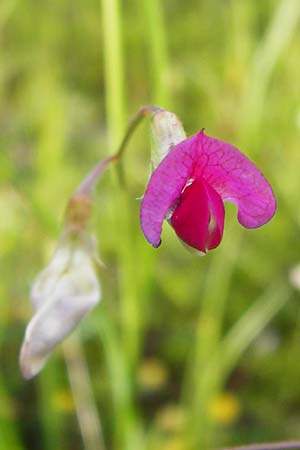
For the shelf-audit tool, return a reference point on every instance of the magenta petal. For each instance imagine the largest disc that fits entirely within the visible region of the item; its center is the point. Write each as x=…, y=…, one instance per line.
x=217, y=214
x=225, y=169
x=199, y=217
x=165, y=186
x=191, y=217
x=236, y=179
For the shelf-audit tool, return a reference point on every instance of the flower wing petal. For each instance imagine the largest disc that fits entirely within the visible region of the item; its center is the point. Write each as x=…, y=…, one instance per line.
x=165, y=186
x=236, y=179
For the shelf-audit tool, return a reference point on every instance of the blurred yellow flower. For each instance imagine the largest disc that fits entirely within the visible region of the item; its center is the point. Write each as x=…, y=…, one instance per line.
x=225, y=408
x=175, y=443
x=152, y=374
x=63, y=401
x=171, y=418
x=8, y=408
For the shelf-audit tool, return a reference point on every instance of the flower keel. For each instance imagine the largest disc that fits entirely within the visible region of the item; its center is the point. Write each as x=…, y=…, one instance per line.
x=198, y=219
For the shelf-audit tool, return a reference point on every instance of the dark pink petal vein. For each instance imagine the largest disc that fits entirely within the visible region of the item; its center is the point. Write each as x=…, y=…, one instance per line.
x=236, y=179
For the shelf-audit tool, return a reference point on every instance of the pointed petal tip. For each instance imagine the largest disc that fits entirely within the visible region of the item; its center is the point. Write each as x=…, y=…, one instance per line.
x=27, y=374
x=157, y=244
x=192, y=250
x=30, y=364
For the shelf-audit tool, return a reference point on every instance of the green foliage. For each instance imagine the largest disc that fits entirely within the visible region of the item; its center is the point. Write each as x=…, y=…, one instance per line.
x=184, y=352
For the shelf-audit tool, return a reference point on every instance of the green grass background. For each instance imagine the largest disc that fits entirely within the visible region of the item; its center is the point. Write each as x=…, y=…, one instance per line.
x=183, y=352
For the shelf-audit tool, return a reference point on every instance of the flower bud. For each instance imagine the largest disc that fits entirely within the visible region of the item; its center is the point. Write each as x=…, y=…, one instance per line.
x=62, y=294
x=167, y=131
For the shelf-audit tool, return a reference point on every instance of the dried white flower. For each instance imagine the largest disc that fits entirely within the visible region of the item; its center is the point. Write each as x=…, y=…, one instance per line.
x=62, y=294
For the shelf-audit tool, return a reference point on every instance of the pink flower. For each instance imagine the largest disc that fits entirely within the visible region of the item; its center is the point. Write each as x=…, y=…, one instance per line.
x=190, y=185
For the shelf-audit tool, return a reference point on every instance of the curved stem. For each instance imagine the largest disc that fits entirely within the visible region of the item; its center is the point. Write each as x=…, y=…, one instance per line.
x=142, y=112
x=86, y=186
x=91, y=178
x=137, y=118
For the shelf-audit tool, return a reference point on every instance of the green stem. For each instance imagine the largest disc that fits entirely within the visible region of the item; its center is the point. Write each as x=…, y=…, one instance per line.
x=129, y=313
x=87, y=414
x=208, y=333
x=127, y=433
x=114, y=69
x=88, y=183
x=137, y=118
x=267, y=54
x=158, y=50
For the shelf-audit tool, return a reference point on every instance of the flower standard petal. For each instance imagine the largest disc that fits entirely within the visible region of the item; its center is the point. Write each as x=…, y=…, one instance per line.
x=165, y=186
x=236, y=179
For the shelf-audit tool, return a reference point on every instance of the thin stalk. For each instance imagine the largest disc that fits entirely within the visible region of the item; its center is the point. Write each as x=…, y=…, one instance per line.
x=52, y=423
x=125, y=429
x=226, y=355
x=127, y=433
x=88, y=183
x=268, y=52
x=142, y=112
x=87, y=414
x=208, y=334
x=284, y=445
x=114, y=69
x=158, y=50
